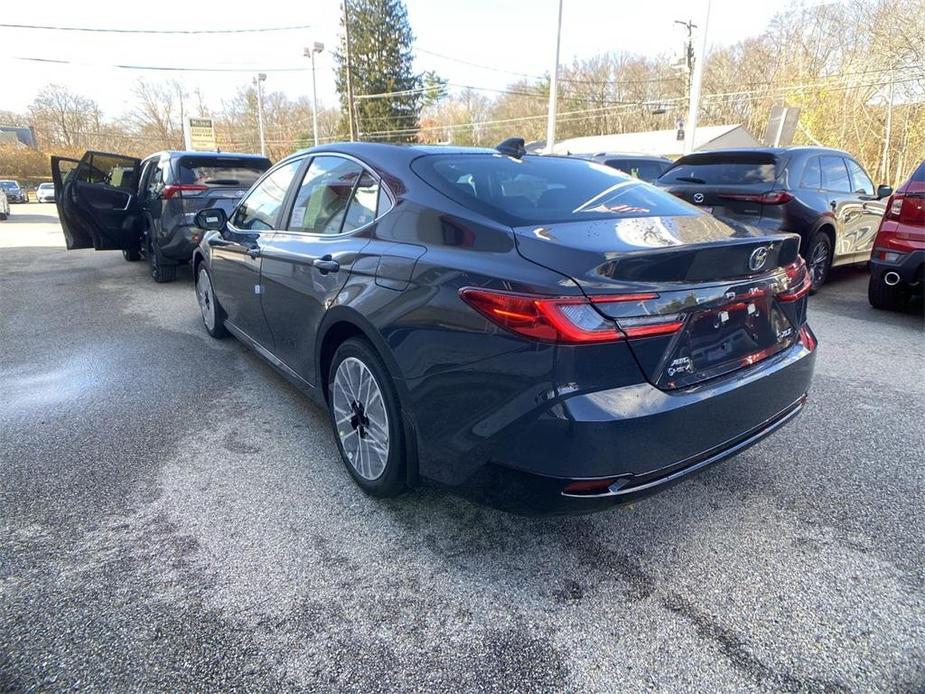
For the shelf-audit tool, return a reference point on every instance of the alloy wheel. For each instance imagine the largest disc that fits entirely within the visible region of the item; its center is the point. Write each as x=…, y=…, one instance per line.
x=361, y=419
x=819, y=262
x=206, y=299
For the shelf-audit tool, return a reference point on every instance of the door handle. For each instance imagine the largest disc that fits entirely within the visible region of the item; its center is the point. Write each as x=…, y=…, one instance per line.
x=326, y=264
x=253, y=252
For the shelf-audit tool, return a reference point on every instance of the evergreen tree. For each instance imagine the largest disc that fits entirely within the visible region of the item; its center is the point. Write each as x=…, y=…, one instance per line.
x=381, y=61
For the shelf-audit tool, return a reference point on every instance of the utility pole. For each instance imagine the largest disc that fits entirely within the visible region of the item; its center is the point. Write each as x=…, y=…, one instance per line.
x=553, y=89
x=317, y=47
x=349, y=78
x=259, y=80
x=693, y=108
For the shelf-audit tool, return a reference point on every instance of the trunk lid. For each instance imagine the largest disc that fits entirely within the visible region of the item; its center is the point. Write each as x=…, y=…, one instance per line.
x=717, y=283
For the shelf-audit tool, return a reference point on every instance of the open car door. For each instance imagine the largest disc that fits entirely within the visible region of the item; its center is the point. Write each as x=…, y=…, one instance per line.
x=97, y=200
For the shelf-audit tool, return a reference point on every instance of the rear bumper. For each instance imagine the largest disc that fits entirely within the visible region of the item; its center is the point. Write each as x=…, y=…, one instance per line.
x=179, y=243
x=636, y=440
x=909, y=267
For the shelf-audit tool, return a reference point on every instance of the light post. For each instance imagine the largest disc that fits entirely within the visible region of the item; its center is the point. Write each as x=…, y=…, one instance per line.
x=553, y=87
x=310, y=51
x=258, y=81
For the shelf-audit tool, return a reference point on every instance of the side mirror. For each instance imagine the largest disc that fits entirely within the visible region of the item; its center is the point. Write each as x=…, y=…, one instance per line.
x=211, y=219
x=884, y=191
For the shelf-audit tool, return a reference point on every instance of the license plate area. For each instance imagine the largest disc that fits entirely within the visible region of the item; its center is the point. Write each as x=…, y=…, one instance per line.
x=724, y=338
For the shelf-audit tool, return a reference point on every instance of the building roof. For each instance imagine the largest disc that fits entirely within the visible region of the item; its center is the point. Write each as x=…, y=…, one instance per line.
x=660, y=142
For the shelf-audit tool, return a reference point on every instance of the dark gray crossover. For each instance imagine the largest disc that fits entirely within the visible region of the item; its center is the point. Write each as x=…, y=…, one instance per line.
x=546, y=332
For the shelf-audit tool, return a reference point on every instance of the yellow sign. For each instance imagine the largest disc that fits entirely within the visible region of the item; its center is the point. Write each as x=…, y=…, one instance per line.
x=200, y=135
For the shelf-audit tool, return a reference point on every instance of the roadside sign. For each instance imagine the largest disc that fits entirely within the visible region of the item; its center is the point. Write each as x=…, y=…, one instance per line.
x=781, y=126
x=199, y=134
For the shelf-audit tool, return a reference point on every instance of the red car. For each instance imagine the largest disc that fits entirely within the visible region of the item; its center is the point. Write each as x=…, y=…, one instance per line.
x=898, y=258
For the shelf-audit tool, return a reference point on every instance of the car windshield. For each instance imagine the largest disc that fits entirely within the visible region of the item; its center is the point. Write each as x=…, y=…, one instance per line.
x=46, y=186
x=221, y=171
x=8, y=185
x=543, y=189
x=919, y=175
x=723, y=168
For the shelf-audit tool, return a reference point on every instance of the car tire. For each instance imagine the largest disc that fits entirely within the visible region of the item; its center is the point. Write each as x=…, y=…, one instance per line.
x=884, y=297
x=132, y=255
x=213, y=315
x=819, y=259
x=161, y=270
x=3, y=216
x=369, y=434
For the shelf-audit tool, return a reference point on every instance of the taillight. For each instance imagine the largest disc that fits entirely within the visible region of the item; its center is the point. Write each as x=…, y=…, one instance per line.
x=807, y=337
x=906, y=209
x=774, y=197
x=169, y=191
x=799, y=281
x=571, y=320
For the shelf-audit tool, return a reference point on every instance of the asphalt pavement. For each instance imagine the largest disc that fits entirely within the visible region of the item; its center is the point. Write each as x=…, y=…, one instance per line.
x=174, y=517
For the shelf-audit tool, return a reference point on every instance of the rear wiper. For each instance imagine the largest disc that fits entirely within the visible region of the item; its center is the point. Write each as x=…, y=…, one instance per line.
x=222, y=182
x=690, y=179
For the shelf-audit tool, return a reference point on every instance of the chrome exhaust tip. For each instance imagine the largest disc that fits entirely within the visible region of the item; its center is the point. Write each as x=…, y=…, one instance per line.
x=891, y=279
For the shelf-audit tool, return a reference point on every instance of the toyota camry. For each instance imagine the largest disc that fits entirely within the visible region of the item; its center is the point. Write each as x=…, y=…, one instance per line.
x=545, y=331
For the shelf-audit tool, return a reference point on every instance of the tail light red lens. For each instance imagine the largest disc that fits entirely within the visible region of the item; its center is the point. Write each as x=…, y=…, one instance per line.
x=774, y=197
x=807, y=337
x=169, y=191
x=569, y=320
x=799, y=281
x=906, y=209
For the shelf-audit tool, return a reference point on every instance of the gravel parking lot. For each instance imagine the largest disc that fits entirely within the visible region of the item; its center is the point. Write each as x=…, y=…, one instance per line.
x=174, y=517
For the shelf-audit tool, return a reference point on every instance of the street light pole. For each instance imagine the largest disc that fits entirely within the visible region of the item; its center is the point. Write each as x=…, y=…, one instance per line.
x=259, y=80
x=350, y=110
x=696, y=81
x=553, y=89
x=317, y=47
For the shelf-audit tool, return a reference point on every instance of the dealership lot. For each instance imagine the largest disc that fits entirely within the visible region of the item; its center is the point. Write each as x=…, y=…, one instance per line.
x=175, y=516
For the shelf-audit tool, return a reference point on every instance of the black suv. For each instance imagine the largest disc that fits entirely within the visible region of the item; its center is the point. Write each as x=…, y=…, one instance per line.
x=822, y=194
x=146, y=207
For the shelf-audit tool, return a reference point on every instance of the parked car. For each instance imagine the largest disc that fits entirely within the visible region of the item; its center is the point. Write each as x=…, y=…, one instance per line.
x=4, y=206
x=146, y=208
x=898, y=258
x=14, y=193
x=644, y=167
x=45, y=192
x=539, y=330
x=822, y=194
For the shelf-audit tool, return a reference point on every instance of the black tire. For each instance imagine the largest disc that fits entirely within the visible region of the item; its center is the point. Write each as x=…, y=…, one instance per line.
x=884, y=297
x=162, y=270
x=3, y=216
x=819, y=259
x=132, y=255
x=205, y=296
x=391, y=480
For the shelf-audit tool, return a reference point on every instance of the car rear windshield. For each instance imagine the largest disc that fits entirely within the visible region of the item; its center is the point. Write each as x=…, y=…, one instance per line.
x=221, y=171
x=919, y=175
x=543, y=189
x=644, y=169
x=723, y=168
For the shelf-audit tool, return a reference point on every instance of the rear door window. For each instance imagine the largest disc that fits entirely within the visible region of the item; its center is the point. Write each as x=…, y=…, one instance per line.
x=835, y=175
x=260, y=209
x=325, y=202
x=812, y=176
x=543, y=189
x=860, y=181
x=242, y=172
x=726, y=168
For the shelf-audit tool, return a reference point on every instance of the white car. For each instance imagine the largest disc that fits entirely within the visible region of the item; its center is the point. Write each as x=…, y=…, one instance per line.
x=4, y=206
x=45, y=192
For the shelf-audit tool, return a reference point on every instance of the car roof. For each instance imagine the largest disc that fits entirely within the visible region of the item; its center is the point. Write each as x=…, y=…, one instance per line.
x=624, y=155
x=799, y=149
x=173, y=153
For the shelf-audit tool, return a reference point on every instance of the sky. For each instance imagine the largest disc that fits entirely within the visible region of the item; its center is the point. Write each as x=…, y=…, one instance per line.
x=505, y=37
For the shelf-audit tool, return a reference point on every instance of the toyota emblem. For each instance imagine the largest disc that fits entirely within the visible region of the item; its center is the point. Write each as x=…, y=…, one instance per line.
x=698, y=197
x=758, y=258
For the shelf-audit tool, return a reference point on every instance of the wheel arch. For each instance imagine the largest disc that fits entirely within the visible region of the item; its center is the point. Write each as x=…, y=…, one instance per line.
x=341, y=323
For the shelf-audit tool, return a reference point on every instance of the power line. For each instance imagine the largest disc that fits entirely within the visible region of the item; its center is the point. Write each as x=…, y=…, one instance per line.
x=188, y=32
x=164, y=68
